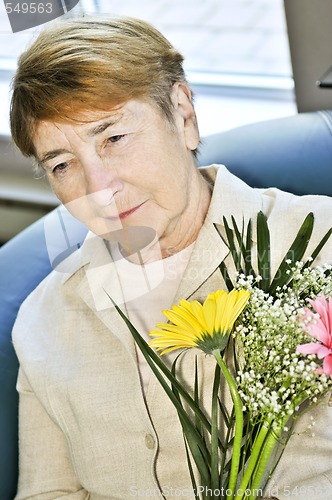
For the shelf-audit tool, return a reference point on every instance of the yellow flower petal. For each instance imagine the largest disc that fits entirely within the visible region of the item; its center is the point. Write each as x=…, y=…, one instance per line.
x=173, y=348
x=221, y=301
x=172, y=335
x=237, y=299
x=209, y=308
x=188, y=315
x=198, y=312
x=205, y=326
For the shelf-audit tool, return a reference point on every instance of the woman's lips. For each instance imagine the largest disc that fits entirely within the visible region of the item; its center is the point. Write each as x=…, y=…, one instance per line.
x=123, y=215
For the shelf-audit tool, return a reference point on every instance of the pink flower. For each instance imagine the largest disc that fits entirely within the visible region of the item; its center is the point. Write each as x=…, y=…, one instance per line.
x=321, y=329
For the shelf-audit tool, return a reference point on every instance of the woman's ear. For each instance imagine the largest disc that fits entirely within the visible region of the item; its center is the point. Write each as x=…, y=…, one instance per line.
x=182, y=101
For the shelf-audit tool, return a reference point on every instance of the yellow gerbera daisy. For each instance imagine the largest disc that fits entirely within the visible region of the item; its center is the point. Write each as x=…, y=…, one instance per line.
x=204, y=326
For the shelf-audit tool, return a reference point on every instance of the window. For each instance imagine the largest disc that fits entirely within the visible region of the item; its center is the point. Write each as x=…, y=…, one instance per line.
x=232, y=48
x=225, y=41
x=225, y=37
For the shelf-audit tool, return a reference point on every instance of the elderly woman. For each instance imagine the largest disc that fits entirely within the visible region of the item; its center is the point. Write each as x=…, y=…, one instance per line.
x=103, y=107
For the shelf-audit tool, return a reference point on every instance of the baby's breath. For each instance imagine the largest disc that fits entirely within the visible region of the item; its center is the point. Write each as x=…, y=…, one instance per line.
x=272, y=376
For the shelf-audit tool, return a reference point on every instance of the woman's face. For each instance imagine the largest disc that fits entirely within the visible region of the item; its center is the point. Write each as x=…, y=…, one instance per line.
x=126, y=167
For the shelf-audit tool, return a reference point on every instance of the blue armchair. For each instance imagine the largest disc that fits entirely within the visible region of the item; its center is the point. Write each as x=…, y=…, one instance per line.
x=293, y=154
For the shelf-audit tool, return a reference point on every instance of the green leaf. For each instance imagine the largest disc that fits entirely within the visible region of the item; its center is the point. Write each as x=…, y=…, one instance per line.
x=198, y=451
x=230, y=422
x=196, y=397
x=263, y=251
x=225, y=275
x=247, y=254
x=294, y=254
x=240, y=251
x=319, y=247
x=240, y=239
x=192, y=475
x=236, y=255
x=202, y=459
x=244, y=244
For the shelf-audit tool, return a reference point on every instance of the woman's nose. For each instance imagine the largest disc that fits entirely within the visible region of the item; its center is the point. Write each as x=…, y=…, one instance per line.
x=101, y=183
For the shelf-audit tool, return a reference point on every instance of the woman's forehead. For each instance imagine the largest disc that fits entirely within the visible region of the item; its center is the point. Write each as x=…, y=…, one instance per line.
x=94, y=116
x=91, y=124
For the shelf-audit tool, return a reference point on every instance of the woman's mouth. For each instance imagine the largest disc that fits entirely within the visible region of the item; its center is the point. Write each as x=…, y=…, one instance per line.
x=126, y=213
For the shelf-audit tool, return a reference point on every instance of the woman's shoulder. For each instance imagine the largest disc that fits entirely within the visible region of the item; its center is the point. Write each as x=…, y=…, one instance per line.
x=41, y=312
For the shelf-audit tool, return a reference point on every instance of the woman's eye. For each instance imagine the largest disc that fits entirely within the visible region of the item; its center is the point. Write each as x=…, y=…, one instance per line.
x=60, y=167
x=115, y=138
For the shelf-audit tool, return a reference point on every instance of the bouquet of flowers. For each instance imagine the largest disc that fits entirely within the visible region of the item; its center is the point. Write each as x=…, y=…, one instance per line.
x=258, y=333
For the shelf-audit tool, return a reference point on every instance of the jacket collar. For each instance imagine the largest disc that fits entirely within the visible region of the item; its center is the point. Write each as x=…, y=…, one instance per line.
x=231, y=197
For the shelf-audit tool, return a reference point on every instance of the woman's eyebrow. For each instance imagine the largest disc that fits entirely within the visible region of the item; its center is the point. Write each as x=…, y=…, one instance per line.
x=98, y=129
x=50, y=155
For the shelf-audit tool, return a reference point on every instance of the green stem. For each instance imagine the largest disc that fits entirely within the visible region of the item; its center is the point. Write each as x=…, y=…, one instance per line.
x=227, y=440
x=269, y=445
x=215, y=432
x=272, y=439
x=236, y=455
x=254, y=458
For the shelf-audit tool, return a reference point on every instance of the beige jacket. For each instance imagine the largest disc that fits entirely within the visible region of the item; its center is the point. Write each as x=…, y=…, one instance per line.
x=86, y=430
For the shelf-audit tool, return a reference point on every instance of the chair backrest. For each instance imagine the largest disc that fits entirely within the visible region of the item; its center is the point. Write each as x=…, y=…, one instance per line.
x=293, y=153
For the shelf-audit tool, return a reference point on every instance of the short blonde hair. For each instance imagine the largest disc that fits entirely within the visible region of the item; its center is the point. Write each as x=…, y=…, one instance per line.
x=90, y=64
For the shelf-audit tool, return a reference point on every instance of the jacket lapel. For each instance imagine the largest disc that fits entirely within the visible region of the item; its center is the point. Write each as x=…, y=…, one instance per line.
x=99, y=285
x=208, y=253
